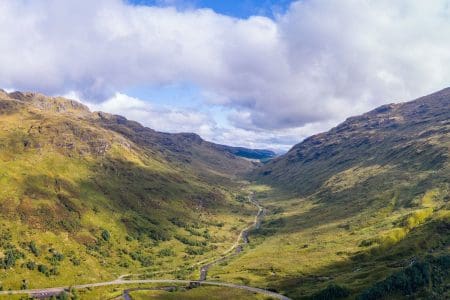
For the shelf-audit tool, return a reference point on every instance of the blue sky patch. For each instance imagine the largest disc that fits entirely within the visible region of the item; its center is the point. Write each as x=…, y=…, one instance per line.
x=238, y=9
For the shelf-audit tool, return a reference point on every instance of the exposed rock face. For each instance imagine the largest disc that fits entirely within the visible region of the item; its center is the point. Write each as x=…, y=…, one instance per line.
x=56, y=104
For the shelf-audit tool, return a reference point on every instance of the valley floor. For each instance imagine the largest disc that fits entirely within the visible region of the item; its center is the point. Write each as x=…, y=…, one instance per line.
x=304, y=246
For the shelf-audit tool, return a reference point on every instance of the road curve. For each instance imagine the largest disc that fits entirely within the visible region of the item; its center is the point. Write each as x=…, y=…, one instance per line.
x=243, y=235
x=56, y=290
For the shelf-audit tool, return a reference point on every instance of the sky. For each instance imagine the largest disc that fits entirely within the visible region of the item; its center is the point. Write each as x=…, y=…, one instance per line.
x=259, y=74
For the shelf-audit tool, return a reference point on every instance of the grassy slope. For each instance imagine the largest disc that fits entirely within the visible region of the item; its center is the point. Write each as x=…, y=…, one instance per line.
x=109, y=204
x=354, y=205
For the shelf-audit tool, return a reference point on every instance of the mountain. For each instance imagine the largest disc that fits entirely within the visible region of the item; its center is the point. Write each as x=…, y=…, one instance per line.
x=254, y=154
x=410, y=136
x=361, y=210
x=92, y=195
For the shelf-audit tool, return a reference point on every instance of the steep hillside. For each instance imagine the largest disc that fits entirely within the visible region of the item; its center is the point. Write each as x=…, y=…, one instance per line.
x=186, y=150
x=410, y=137
x=350, y=207
x=88, y=196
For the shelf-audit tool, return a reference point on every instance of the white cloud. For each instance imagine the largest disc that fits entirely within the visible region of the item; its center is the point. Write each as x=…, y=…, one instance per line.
x=319, y=62
x=158, y=118
x=185, y=120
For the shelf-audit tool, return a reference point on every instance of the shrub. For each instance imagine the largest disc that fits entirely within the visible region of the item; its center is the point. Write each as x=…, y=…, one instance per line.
x=63, y=296
x=406, y=282
x=11, y=255
x=195, y=250
x=43, y=269
x=74, y=294
x=159, y=234
x=106, y=235
x=5, y=238
x=145, y=260
x=123, y=263
x=177, y=222
x=24, y=285
x=432, y=271
x=241, y=198
x=34, y=249
x=277, y=210
x=206, y=234
x=192, y=231
x=53, y=271
x=332, y=291
x=166, y=252
x=276, y=223
x=48, y=272
x=31, y=265
x=75, y=261
x=366, y=243
x=56, y=258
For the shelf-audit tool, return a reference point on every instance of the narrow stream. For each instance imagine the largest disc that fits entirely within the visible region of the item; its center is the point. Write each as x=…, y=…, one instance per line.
x=242, y=236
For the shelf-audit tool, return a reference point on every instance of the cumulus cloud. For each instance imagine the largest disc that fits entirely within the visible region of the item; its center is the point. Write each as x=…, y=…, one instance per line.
x=156, y=117
x=318, y=63
x=170, y=119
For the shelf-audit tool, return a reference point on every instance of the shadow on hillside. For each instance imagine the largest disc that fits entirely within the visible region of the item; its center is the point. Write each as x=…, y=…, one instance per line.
x=364, y=202
x=309, y=172
x=157, y=200
x=146, y=198
x=368, y=266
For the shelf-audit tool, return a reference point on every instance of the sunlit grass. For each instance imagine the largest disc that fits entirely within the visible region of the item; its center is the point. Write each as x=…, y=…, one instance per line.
x=305, y=245
x=60, y=189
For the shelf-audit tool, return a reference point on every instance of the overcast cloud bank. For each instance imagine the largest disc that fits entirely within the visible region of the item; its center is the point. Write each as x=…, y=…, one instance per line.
x=279, y=80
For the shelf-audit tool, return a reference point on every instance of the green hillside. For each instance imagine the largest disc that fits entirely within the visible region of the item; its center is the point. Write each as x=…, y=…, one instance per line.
x=91, y=196
x=350, y=207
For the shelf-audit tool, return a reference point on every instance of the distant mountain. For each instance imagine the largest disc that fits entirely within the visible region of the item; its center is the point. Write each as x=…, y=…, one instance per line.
x=256, y=154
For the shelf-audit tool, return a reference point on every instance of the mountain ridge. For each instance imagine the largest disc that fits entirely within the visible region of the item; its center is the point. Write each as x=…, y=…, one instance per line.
x=361, y=211
x=167, y=140
x=360, y=132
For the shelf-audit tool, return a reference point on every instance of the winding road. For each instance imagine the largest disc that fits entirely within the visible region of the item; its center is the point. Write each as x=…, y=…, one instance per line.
x=40, y=293
x=205, y=265
x=237, y=246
